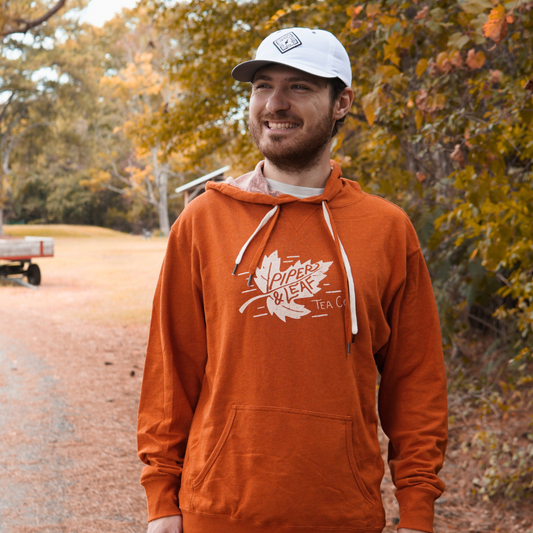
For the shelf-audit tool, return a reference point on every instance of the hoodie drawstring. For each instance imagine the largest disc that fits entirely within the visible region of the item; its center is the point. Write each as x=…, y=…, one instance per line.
x=266, y=218
x=274, y=212
x=349, y=275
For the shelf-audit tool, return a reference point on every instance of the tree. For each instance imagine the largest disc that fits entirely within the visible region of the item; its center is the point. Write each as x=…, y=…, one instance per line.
x=139, y=90
x=441, y=123
x=444, y=89
x=19, y=16
x=20, y=59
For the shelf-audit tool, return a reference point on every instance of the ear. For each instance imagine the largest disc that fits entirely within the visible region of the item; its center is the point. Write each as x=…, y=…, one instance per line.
x=343, y=103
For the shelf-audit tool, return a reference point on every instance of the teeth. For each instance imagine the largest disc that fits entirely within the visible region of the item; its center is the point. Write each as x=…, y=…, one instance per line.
x=281, y=125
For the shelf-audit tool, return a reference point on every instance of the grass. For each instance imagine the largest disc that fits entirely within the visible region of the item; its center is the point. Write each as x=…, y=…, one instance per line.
x=60, y=230
x=96, y=274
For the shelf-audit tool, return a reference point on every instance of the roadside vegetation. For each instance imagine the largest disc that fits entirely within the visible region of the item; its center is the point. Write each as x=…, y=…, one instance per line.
x=442, y=126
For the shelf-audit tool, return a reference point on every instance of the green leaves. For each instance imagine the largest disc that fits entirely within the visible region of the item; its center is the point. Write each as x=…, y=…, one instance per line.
x=475, y=7
x=457, y=40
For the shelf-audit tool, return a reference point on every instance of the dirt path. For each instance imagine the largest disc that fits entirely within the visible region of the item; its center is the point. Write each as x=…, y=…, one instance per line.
x=68, y=455
x=71, y=358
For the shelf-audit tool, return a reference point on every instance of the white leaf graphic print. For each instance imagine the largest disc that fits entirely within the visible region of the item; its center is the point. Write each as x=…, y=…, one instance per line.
x=283, y=288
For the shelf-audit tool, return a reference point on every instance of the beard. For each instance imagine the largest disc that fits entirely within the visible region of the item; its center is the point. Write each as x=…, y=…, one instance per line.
x=292, y=155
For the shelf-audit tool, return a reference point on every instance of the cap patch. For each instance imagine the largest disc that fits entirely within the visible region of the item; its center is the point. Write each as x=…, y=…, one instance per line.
x=287, y=42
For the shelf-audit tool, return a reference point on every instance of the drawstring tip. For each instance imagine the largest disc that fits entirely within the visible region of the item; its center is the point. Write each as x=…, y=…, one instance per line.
x=235, y=269
x=349, y=345
x=250, y=280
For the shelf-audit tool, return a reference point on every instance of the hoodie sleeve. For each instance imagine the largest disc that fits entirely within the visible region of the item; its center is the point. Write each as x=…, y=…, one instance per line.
x=173, y=374
x=412, y=397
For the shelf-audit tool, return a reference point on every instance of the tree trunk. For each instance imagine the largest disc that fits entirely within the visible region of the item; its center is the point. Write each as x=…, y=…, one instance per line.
x=161, y=180
x=162, y=206
x=1, y=220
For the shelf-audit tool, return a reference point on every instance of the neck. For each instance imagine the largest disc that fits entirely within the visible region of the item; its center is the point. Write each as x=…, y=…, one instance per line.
x=314, y=176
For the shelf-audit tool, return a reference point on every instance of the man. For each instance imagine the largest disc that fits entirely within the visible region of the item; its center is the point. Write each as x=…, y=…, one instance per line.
x=282, y=295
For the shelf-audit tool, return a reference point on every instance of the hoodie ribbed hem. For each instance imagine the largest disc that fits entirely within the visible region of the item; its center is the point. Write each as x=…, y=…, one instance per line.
x=161, y=497
x=416, y=508
x=202, y=523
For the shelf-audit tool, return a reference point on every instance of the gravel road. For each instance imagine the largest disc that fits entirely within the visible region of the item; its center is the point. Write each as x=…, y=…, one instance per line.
x=68, y=401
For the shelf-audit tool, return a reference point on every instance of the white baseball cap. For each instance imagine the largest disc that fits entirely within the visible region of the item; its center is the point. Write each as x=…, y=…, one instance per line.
x=317, y=52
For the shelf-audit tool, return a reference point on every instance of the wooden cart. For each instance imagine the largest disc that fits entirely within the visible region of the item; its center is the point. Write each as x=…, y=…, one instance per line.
x=16, y=256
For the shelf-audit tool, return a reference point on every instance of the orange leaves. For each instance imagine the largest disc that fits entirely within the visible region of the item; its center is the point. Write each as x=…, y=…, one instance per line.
x=428, y=103
x=423, y=13
x=496, y=27
x=495, y=76
x=353, y=12
x=447, y=62
x=421, y=100
x=475, y=60
x=458, y=156
x=421, y=177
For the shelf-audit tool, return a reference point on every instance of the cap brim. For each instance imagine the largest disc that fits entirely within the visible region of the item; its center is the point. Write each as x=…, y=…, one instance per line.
x=246, y=71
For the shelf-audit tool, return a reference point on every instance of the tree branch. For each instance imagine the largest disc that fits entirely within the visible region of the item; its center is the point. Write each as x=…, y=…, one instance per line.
x=23, y=25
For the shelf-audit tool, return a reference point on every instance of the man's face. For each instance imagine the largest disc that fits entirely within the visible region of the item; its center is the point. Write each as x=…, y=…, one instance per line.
x=290, y=116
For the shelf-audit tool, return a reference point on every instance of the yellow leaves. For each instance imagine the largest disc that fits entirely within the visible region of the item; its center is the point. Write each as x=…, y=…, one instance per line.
x=387, y=20
x=282, y=12
x=371, y=102
x=496, y=27
x=419, y=118
x=475, y=60
x=421, y=67
x=396, y=43
x=97, y=180
x=372, y=10
x=443, y=63
x=387, y=72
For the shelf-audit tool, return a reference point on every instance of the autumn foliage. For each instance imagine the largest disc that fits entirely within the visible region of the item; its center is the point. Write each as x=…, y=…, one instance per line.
x=441, y=125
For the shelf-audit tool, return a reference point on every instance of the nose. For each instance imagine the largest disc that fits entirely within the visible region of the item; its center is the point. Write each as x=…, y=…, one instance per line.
x=277, y=101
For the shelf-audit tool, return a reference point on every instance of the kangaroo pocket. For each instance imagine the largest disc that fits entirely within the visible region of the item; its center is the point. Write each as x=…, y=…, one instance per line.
x=284, y=466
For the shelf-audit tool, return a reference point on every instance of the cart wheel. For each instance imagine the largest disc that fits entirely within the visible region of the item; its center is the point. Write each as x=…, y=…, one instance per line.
x=33, y=274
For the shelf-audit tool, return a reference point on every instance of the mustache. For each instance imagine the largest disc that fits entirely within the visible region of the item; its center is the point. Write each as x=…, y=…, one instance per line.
x=279, y=117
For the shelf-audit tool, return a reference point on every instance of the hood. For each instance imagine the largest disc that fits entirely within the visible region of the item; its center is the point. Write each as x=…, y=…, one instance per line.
x=253, y=188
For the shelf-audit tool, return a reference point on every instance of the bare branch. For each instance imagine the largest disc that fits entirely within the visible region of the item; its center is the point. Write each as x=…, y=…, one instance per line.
x=23, y=25
x=6, y=105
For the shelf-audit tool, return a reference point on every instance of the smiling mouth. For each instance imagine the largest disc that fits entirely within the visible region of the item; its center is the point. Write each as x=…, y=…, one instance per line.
x=281, y=125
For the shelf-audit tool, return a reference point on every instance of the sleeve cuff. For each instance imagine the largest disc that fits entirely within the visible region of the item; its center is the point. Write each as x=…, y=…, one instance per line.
x=162, y=498
x=417, y=509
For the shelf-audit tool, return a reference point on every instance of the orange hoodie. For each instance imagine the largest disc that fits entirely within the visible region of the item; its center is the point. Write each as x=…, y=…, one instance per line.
x=258, y=406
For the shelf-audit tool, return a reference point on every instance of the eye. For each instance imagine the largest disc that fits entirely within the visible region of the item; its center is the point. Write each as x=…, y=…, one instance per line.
x=300, y=87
